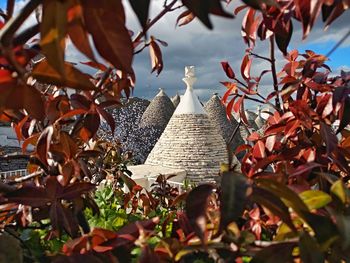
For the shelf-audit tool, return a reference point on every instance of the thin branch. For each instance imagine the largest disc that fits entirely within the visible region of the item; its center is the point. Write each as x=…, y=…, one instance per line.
x=14, y=156
x=234, y=132
x=166, y=9
x=338, y=44
x=27, y=34
x=25, y=178
x=274, y=72
x=8, y=31
x=9, y=9
x=261, y=57
x=10, y=28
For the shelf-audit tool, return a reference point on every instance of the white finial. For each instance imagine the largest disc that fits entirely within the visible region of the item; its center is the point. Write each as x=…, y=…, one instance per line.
x=189, y=103
x=189, y=78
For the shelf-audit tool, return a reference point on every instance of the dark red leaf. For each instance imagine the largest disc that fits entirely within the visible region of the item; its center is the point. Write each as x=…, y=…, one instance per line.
x=105, y=21
x=196, y=208
x=228, y=70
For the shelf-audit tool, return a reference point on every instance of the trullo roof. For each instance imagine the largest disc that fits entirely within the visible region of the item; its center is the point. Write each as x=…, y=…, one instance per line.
x=158, y=112
x=190, y=141
x=176, y=100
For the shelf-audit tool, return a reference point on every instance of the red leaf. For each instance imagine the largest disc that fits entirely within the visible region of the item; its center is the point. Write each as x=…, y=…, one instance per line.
x=76, y=30
x=259, y=150
x=228, y=70
x=242, y=147
x=156, y=56
x=184, y=18
x=95, y=65
x=305, y=168
x=329, y=138
x=105, y=21
x=29, y=195
x=270, y=142
x=196, y=208
x=245, y=67
x=75, y=190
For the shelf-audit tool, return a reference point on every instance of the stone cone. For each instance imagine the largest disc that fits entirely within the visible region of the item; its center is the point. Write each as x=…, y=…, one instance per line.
x=191, y=141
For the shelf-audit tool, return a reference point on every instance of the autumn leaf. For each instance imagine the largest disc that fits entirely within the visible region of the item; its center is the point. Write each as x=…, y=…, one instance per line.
x=73, y=78
x=156, y=56
x=105, y=21
x=77, y=31
x=228, y=70
x=185, y=18
x=53, y=32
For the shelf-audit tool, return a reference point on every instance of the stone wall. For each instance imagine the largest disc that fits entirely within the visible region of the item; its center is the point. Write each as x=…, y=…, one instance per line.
x=191, y=142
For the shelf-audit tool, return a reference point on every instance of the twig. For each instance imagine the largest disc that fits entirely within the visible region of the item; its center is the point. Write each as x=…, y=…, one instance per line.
x=9, y=9
x=338, y=44
x=25, y=178
x=274, y=73
x=234, y=132
x=166, y=9
x=261, y=57
x=8, y=31
x=27, y=34
x=10, y=28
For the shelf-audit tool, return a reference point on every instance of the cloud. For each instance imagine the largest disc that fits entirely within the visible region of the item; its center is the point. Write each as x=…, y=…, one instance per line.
x=195, y=45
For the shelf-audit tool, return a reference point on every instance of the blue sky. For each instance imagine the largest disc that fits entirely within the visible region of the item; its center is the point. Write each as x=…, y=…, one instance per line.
x=195, y=45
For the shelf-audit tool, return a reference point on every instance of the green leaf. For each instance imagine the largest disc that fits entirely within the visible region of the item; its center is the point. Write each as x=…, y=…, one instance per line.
x=315, y=199
x=276, y=253
x=343, y=224
x=233, y=197
x=310, y=251
x=53, y=32
x=339, y=190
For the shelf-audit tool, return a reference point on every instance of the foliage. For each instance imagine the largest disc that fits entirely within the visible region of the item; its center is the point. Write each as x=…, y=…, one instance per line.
x=291, y=203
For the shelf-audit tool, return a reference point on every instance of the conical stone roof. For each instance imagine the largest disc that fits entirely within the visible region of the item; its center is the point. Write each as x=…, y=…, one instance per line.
x=158, y=112
x=176, y=100
x=217, y=113
x=190, y=141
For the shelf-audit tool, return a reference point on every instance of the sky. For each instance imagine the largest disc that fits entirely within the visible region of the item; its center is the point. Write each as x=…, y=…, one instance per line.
x=194, y=44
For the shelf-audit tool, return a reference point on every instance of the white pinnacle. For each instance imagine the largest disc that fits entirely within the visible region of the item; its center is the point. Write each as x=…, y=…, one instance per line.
x=189, y=103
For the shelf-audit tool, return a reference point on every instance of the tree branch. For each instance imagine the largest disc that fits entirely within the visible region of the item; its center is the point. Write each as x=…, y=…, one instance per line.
x=25, y=178
x=274, y=72
x=167, y=8
x=9, y=9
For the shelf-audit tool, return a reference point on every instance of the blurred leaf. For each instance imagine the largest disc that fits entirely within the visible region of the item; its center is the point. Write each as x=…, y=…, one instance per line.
x=258, y=4
x=196, y=208
x=53, y=32
x=77, y=31
x=276, y=253
x=233, y=197
x=105, y=21
x=310, y=251
x=74, y=79
x=141, y=9
x=202, y=8
x=339, y=190
x=283, y=37
x=273, y=204
x=315, y=199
